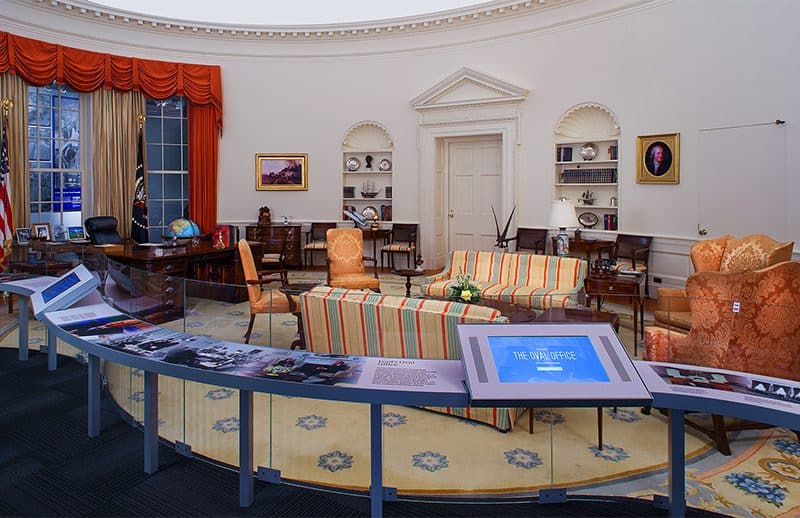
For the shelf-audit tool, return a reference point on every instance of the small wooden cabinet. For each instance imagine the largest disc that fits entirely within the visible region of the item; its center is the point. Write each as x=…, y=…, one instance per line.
x=277, y=231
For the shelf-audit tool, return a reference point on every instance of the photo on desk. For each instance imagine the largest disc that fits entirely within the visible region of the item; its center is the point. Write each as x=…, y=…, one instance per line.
x=75, y=233
x=41, y=231
x=23, y=235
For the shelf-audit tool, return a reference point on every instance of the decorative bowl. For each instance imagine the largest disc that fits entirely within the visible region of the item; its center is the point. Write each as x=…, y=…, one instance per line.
x=588, y=151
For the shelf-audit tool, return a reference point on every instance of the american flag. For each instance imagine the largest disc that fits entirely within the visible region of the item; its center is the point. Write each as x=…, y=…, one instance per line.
x=6, y=224
x=139, y=221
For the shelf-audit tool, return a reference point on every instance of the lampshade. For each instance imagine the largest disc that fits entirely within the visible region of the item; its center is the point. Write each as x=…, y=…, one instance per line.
x=562, y=214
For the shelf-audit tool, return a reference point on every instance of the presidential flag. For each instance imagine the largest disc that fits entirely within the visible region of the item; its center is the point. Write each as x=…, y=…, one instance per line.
x=6, y=223
x=139, y=222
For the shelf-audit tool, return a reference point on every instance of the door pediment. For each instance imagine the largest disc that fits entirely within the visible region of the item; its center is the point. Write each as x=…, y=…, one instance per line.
x=468, y=88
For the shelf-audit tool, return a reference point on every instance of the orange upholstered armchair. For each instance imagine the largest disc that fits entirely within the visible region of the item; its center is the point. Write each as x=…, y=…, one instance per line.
x=346, y=260
x=762, y=337
x=723, y=254
x=269, y=301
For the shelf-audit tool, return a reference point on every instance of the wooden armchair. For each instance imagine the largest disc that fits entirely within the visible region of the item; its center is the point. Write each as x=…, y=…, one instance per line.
x=316, y=241
x=724, y=254
x=270, y=301
x=631, y=253
x=402, y=239
x=532, y=239
x=762, y=337
x=346, y=260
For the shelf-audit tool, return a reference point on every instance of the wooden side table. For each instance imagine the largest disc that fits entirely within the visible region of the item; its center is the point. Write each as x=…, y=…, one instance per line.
x=408, y=273
x=626, y=286
x=292, y=291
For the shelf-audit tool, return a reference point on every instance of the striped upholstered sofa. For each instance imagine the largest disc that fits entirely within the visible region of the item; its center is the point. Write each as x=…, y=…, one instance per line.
x=533, y=281
x=341, y=321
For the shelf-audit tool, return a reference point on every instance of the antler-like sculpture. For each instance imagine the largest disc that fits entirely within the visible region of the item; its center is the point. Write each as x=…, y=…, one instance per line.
x=502, y=239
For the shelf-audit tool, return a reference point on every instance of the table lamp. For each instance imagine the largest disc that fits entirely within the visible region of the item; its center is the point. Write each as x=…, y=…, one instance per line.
x=562, y=215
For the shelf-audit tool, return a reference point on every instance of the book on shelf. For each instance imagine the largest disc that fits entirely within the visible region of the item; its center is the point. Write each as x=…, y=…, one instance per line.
x=609, y=222
x=594, y=175
x=564, y=154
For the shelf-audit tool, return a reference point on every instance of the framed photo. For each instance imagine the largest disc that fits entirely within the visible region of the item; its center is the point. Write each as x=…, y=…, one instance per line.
x=58, y=233
x=276, y=172
x=23, y=235
x=658, y=158
x=41, y=231
x=74, y=233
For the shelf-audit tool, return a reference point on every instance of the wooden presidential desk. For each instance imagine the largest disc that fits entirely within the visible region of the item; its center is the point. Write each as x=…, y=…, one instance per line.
x=218, y=272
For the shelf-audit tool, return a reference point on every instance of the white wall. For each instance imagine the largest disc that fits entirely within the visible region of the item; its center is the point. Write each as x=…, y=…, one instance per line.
x=661, y=66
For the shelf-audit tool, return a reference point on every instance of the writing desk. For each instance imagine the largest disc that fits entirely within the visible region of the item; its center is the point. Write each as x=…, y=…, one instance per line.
x=218, y=271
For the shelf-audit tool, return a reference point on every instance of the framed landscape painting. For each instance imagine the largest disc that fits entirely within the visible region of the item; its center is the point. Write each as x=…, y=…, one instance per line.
x=281, y=172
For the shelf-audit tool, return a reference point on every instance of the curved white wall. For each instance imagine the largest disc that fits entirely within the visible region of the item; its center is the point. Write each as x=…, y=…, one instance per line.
x=661, y=66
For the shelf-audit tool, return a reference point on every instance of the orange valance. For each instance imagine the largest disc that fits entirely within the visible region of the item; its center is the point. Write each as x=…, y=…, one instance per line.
x=41, y=63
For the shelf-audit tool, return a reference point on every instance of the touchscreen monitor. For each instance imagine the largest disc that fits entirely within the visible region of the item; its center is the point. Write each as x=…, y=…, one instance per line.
x=546, y=364
x=557, y=359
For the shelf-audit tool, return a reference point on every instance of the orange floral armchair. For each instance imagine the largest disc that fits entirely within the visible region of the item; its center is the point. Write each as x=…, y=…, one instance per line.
x=763, y=337
x=724, y=254
x=346, y=260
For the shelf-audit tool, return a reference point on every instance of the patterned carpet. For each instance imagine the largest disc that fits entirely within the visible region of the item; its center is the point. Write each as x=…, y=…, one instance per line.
x=427, y=453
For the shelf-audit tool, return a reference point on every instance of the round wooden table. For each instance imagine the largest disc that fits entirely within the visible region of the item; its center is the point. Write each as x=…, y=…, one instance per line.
x=408, y=273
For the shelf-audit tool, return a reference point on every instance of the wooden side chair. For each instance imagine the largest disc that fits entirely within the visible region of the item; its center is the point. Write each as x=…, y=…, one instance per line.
x=532, y=239
x=346, y=260
x=269, y=301
x=631, y=253
x=402, y=239
x=316, y=241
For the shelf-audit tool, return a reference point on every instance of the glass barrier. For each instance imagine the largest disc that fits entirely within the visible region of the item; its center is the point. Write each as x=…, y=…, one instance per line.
x=442, y=452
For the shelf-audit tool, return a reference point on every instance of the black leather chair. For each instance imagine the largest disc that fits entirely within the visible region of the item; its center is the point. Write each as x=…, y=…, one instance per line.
x=102, y=230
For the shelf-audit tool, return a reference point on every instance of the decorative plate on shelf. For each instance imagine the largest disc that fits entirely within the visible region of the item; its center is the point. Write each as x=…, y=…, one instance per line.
x=353, y=164
x=588, y=219
x=588, y=151
x=369, y=212
x=385, y=165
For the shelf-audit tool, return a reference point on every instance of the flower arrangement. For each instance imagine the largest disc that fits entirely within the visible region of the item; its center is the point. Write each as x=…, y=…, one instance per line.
x=464, y=290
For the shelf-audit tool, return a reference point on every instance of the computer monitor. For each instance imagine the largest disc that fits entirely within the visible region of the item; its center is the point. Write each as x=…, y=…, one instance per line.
x=548, y=364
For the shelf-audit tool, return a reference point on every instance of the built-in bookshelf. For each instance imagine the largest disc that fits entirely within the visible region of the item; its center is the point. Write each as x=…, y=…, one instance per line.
x=367, y=171
x=586, y=154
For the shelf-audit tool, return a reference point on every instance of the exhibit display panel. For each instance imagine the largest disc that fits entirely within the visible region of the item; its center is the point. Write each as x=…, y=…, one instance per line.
x=344, y=421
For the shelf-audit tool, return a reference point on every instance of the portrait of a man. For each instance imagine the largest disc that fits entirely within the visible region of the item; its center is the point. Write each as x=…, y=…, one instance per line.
x=658, y=158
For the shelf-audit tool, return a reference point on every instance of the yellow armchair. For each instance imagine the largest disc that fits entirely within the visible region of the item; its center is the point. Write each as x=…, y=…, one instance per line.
x=346, y=260
x=723, y=254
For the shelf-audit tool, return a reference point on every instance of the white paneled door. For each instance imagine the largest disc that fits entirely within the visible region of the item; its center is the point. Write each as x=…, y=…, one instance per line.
x=742, y=182
x=474, y=167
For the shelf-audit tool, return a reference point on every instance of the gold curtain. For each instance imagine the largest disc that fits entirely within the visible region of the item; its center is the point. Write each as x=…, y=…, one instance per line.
x=14, y=87
x=114, y=130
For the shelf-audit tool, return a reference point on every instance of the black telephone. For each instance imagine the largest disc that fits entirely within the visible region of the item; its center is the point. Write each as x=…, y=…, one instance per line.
x=604, y=268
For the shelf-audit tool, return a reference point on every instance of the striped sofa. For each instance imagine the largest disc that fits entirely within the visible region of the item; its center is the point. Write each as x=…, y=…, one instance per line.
x=342, y=321
x=533, y=281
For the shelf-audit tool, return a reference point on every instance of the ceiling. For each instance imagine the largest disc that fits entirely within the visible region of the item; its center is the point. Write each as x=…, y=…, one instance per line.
x=285, y=12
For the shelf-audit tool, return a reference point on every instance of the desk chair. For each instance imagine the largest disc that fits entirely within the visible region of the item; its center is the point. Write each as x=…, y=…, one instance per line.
x=402, y=239
x=346, y=260
x=102, y=230
x=316, y=241
x=270, y=301
x=532, y=239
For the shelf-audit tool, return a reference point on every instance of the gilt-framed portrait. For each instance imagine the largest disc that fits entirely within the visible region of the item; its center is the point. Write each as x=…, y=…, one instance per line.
x=281, y=172
x=658, y=158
